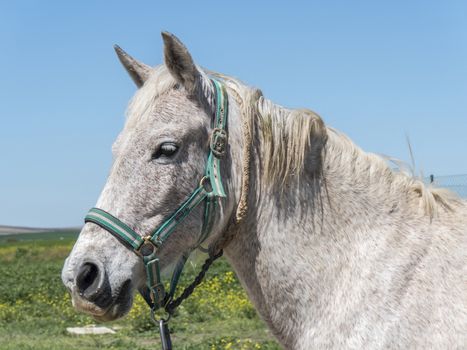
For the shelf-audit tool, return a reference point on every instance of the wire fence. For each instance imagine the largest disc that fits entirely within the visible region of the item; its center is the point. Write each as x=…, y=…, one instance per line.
x=455, y=183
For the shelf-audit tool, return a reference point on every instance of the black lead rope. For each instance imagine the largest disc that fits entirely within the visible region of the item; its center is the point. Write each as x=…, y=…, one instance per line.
x=171, y=305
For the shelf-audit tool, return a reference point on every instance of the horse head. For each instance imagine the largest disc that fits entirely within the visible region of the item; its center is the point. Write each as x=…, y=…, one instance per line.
x=158, y=160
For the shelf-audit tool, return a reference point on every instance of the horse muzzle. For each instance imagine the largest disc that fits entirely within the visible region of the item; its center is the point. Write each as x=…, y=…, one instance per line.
x=92, y=294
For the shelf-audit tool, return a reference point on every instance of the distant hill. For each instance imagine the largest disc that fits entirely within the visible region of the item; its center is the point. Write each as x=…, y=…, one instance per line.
x=16, y=230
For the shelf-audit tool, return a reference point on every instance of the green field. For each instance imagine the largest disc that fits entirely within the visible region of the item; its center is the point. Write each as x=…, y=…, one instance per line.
x=35, y=309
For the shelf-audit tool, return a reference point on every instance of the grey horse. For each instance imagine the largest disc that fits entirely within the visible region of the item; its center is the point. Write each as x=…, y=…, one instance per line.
x=335, y=249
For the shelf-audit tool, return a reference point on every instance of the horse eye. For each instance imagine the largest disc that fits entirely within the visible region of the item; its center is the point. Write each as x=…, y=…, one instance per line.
x=167, y=149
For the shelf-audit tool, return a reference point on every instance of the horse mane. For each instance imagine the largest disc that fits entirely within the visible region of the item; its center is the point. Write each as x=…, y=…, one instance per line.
x=291, y=138
x=429, y=198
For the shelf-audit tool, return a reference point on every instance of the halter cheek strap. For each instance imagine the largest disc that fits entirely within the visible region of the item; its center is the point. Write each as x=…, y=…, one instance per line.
x=147, y=247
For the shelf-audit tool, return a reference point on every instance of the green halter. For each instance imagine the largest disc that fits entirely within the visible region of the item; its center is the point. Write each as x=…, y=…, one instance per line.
x=148, y=246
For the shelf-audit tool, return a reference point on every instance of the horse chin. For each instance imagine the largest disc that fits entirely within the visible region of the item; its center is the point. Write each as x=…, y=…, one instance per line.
x=116, y=311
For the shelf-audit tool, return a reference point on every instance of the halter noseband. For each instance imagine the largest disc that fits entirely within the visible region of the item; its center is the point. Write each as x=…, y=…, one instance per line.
x=147, y=247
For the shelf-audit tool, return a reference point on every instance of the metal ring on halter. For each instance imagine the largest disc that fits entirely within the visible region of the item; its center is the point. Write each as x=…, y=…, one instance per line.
x=204, y=181
x=147, y=247
x=156, y=322
x=203, y=250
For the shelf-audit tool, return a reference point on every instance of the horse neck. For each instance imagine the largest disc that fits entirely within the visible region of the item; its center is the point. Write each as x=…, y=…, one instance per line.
x=349, y=191
x=346, y=184
x=297, y=240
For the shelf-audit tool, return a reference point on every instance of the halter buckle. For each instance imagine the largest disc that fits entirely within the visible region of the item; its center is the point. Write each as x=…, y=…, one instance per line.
x=157, y=294
x=219, y=141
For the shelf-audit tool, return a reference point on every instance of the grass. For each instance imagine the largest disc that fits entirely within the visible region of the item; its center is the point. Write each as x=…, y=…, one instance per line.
x=40, y=237
x=35, y=309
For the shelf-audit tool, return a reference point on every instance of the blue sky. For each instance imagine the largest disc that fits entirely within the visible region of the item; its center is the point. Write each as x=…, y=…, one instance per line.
x=377, y=71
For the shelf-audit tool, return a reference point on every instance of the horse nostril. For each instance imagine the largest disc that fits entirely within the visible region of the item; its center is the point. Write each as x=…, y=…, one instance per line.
x=87, y=279
x=93, y=285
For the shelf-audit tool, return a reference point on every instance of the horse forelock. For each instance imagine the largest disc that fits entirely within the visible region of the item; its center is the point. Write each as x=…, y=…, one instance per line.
x=141, y=105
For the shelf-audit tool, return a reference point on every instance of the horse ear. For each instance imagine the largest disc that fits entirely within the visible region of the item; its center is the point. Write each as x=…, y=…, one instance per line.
x=138, y=71
x=179, y=62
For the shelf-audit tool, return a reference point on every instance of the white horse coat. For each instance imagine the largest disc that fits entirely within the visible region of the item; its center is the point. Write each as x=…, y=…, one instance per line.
x=336, y=250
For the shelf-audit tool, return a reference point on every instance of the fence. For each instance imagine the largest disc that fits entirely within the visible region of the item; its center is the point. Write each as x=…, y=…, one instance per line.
x=455, y=183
